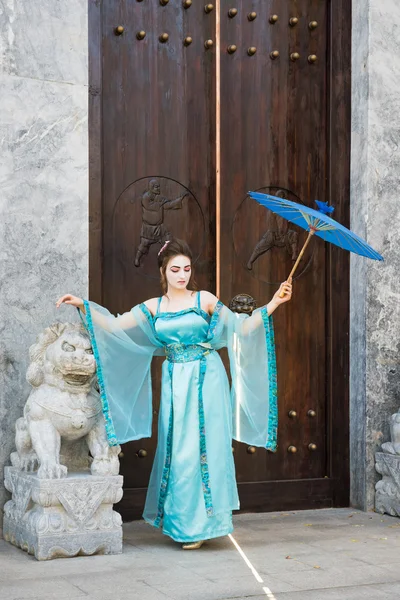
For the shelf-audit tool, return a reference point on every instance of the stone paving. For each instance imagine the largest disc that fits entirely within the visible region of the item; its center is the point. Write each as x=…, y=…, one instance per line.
x=307, y=555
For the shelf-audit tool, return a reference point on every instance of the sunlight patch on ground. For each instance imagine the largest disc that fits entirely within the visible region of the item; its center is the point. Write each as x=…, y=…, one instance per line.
x=257, y=576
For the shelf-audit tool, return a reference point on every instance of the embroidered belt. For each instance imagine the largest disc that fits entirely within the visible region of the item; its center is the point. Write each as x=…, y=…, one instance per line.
x=181, y=353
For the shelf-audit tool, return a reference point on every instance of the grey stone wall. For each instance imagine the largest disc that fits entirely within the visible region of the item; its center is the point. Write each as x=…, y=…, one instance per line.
x=375, y=215
x=43, y=181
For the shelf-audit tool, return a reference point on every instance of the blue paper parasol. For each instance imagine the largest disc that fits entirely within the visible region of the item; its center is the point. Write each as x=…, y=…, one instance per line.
x=316, y=222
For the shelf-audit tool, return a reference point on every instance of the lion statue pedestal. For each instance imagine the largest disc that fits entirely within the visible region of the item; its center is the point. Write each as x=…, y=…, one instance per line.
x=64, y=476
x=387, y=498
x=54, y=518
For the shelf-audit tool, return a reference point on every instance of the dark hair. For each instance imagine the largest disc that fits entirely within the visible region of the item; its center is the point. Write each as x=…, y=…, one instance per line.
x=174, y=247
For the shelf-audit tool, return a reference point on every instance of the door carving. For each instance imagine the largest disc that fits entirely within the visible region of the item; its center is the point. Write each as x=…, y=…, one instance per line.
x=271, y=241
x=149, y=211
x=192, y=105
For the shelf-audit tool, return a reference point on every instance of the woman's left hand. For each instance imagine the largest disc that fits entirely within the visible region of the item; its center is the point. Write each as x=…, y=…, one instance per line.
x=285, y=288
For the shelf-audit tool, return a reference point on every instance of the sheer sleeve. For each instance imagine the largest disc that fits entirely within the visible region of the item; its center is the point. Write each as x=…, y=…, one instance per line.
x=123, y=347
x=251, y=348
x=110, y=323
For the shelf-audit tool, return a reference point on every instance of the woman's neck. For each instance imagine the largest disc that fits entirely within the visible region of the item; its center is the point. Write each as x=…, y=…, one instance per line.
x=177, y=296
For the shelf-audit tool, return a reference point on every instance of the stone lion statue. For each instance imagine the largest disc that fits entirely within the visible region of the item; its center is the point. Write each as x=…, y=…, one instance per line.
x=393, y=447
x=63, y=420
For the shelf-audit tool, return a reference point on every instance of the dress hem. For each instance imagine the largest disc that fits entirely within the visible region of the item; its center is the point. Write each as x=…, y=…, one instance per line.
x=223, y=531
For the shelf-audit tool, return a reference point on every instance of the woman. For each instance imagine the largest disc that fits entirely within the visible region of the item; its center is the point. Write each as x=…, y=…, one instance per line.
x=192, y=489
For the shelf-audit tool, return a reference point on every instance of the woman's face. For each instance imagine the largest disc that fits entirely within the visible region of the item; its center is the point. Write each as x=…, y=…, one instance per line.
x=178, y=272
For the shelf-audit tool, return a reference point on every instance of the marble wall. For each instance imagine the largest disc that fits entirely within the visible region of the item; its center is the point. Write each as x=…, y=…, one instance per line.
x=375, y=215
x=43, y=183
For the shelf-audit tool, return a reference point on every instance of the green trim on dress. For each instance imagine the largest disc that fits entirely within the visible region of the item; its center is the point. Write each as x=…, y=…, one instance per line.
x=168, y=454
x=271, y=444
x=110, y=431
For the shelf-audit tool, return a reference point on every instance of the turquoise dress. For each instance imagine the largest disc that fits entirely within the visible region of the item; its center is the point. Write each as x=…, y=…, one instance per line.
x=192, y=489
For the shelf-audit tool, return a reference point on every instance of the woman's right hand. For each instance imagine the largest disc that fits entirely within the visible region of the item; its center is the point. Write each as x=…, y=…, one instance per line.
x=70, y=299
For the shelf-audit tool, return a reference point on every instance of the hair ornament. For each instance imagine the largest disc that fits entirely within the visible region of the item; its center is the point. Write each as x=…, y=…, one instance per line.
x=163, y=248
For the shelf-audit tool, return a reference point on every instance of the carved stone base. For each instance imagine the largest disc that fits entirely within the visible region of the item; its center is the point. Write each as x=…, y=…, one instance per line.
x=387, y=498
x=53, y=518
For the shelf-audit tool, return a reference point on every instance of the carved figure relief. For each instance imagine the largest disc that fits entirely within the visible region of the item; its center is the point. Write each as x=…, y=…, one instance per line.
x=265, y=243
x=153, y=229
x=281, y=237
x=149, y=211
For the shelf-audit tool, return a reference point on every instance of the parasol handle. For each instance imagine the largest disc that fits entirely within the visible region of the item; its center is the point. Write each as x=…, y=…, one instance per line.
x=300, y=256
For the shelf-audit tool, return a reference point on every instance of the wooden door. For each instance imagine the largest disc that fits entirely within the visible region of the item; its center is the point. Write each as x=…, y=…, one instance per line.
x=284, y=130
x=180, y=130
